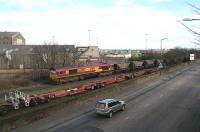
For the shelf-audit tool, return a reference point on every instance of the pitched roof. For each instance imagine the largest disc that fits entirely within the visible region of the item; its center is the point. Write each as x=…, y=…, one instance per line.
x=8, y=34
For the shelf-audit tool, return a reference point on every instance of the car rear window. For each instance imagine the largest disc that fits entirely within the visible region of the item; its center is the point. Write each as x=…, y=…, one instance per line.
x=100, y=105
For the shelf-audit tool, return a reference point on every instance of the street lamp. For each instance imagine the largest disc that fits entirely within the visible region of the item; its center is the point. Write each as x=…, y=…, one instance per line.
x=191, y=19
x=161, y=44
x=161, y=48
x=89, y=36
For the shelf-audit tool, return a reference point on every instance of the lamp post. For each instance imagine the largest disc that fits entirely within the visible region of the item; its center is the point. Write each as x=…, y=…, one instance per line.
x=89, y=36
x=191, y=19
x=53, y=39
x=161, y=48
x=161, y=44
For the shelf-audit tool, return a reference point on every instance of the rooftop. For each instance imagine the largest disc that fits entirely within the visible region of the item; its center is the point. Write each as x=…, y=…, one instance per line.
x=7, y=34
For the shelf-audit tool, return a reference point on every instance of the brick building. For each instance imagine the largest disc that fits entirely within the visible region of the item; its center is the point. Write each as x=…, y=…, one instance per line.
x=89, y=54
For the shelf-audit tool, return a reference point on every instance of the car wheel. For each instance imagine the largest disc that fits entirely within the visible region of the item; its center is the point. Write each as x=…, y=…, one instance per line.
x=123, y=108
x=110, y=114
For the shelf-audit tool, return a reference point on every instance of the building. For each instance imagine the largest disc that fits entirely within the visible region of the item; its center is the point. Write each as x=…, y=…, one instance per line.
x=12, y=38
x=117, y=55
x=88, y=54
x=115, y=51
x=135, y=53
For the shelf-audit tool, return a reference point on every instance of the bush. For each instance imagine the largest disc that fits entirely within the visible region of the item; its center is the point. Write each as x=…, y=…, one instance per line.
x=146, y=56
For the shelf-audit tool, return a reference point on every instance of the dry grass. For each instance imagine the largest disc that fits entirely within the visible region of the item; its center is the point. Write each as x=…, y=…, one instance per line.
x=14, y=82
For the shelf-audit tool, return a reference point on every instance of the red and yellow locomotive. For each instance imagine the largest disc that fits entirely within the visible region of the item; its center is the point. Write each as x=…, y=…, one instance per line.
x=80, y=73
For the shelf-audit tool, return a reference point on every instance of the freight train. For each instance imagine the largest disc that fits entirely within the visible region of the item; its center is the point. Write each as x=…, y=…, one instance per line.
x=64, y=74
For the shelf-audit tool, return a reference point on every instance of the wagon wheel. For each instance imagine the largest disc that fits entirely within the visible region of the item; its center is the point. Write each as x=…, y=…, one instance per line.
x=81, y=77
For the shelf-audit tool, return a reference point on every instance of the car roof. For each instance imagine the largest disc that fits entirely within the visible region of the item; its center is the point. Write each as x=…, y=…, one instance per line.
x=106, y=100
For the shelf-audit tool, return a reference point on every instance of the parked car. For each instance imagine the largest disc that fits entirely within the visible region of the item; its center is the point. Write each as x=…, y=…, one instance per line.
x=109, y=106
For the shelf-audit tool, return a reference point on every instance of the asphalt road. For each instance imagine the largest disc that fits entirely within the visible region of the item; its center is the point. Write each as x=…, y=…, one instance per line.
x=169, y=104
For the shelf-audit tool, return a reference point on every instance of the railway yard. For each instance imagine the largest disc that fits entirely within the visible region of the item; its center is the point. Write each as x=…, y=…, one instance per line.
x=54, y=98
x=99, y=66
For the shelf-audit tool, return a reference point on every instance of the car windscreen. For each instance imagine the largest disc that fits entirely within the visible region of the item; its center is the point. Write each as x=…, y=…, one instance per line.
x=100, y=105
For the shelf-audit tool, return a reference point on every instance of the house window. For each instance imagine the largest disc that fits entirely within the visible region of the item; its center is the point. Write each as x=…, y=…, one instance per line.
x=19, y=41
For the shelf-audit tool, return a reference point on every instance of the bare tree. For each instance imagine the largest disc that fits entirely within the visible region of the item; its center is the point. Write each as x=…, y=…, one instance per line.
x=45, y=55
x=190, y=29
x=77, y=53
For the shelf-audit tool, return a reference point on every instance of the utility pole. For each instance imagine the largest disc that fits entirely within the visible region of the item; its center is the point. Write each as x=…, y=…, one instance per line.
x=89, y=37
x=146, y=42
x=53, y=39
x=97, y=41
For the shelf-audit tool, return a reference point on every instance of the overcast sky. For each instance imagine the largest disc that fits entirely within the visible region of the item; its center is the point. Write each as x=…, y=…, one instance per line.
x=114, y=24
